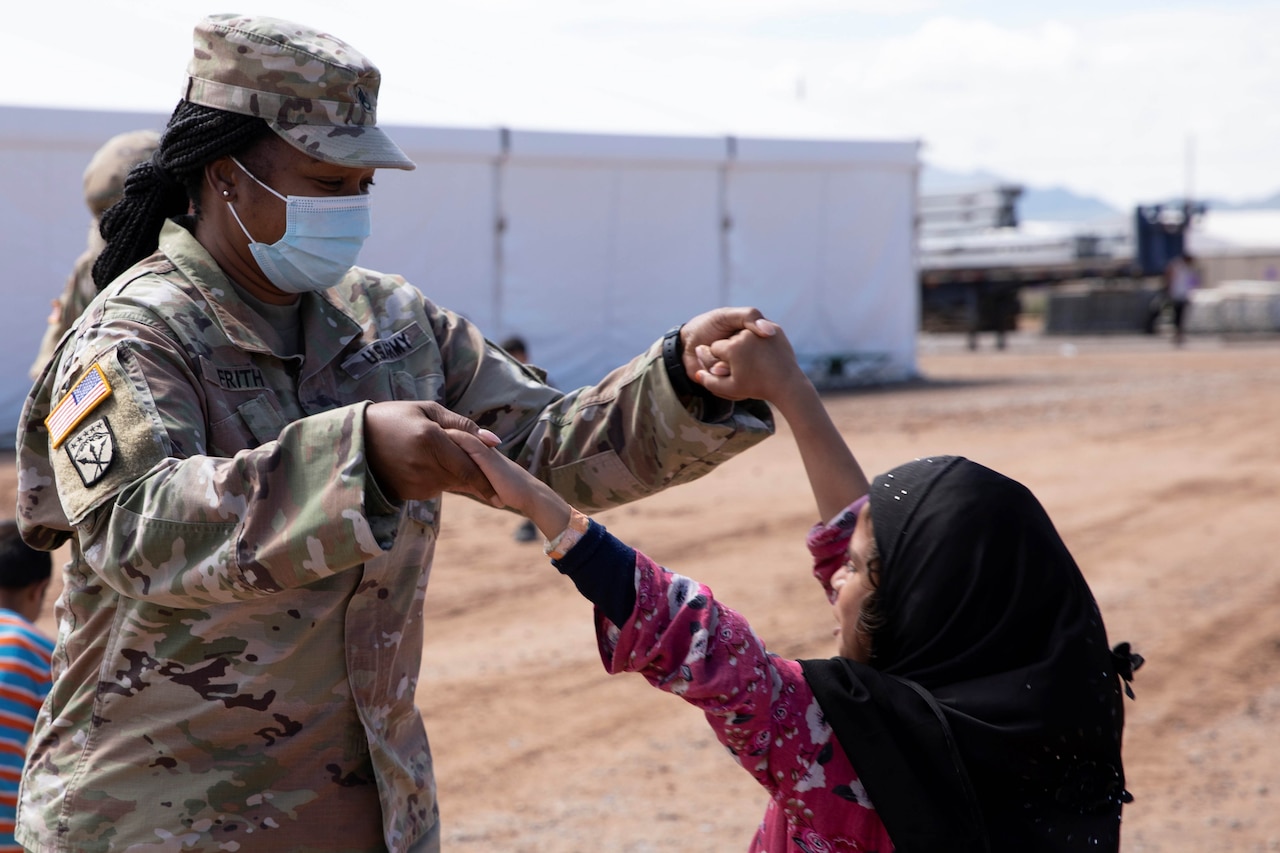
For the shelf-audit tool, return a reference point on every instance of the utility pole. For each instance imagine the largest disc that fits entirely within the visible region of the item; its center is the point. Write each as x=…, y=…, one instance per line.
x=1190, y=168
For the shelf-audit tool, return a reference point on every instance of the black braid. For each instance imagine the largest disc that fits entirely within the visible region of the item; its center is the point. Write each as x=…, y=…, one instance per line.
x=169, y=183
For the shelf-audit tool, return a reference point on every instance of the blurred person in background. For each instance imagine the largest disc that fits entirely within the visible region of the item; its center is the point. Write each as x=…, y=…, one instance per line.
x=515, y=346
x=1181, y=278
x=24, y=663
x=103, y=185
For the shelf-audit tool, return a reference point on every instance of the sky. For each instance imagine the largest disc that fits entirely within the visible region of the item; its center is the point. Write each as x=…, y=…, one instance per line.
x=1129, y=101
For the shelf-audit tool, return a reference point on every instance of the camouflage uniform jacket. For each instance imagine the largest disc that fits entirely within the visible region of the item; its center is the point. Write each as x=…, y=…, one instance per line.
x=240, y=631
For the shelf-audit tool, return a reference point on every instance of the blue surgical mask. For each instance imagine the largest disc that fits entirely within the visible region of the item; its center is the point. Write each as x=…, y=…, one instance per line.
x=322, y=238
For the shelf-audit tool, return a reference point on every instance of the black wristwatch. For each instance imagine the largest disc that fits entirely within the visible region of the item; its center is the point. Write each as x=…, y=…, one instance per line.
x=673, y=360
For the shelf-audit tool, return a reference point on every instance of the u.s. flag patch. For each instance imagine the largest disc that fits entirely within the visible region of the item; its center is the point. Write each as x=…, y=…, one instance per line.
x=89, y=391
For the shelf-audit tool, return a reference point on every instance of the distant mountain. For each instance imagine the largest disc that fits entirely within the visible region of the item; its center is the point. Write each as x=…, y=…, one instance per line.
x=1059, y=204
x=1271, y=202
x=935, y=180
x=1036, y=203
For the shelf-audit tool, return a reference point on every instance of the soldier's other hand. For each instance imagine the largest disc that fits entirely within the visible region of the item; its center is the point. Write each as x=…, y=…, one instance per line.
x=412, y=456
x=719, y=324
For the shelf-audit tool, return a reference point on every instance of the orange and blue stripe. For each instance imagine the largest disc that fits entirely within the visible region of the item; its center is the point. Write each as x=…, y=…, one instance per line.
x=24, y=682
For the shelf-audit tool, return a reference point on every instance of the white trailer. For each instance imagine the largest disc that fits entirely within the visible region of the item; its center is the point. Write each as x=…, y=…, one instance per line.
x=589, y=246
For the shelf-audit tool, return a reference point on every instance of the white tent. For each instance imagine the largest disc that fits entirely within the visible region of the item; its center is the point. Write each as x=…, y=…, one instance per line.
x=589, y=246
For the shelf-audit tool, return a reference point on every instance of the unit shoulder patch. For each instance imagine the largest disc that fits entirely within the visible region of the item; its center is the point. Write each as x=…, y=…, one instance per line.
x=115, y=445
x=92, y=450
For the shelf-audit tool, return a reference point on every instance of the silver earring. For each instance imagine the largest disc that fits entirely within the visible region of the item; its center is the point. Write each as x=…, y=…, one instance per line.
x=226, y=193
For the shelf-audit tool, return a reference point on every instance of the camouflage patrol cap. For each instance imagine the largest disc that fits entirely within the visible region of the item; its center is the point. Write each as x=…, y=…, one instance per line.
x=317, y=92
x=105, y=174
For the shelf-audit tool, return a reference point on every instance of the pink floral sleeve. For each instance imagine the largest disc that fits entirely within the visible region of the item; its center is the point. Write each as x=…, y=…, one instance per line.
x=829, y=544
x=685, y=642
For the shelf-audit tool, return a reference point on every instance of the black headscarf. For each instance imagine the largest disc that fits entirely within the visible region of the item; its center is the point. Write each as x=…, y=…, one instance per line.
x=990, y=715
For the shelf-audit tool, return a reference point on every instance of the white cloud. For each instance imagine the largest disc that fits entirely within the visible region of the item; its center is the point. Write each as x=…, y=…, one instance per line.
x=1106, y=106
x=934, y=54
x=1103, y=102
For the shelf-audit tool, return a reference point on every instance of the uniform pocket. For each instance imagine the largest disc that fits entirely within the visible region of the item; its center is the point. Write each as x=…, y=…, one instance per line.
x=597, y=482
x=255, y=422
x=406, y=386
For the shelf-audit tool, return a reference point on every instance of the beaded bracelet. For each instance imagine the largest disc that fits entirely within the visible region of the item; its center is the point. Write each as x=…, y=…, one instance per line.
x=558, y=547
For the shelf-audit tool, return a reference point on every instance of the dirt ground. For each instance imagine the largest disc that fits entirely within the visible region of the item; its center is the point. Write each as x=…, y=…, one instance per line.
x=1161, y=468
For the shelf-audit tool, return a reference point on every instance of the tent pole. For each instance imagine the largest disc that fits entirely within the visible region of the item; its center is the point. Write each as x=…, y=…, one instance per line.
x=500, y=228
x=726, y=220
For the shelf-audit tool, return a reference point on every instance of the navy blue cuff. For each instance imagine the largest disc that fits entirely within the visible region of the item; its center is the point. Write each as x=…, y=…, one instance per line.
x=604, y=571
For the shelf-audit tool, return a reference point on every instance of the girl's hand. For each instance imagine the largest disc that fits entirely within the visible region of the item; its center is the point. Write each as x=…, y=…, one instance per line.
x=749, y=366
x=515, y=487
x=715, y=325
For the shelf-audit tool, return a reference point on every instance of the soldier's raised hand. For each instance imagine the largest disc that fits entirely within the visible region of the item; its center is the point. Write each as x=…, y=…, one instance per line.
x=749, y=365
x=717, y=325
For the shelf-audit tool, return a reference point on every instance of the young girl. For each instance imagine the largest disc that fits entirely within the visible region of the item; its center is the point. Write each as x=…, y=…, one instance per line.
x=974, y=704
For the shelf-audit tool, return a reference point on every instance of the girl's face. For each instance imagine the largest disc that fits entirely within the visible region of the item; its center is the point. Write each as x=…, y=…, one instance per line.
x=853, y=585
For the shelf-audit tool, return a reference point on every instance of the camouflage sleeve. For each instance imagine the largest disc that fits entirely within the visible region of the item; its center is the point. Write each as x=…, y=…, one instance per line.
x=160, y=521
x=81, y=289
x=625, y=438
x=76, y=295
x=48, y=344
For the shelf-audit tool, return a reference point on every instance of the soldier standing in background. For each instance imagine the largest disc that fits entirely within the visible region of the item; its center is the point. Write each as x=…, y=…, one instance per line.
x=245, y=442
x=103, y=186
x=515, y=346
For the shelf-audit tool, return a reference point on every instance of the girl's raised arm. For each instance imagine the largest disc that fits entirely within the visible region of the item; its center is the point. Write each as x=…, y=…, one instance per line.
x=750, y=366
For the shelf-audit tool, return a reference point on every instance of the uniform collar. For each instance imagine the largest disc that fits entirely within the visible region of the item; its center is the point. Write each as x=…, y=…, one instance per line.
x=329, y=310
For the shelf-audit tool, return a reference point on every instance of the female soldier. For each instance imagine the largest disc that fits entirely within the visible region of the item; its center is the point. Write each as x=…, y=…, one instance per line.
x=244, y=442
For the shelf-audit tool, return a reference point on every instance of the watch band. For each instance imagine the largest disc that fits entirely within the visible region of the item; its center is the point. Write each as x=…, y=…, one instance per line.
x=673, y=360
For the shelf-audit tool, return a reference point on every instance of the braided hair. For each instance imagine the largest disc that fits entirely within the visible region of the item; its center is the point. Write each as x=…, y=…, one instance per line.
x=169, y=183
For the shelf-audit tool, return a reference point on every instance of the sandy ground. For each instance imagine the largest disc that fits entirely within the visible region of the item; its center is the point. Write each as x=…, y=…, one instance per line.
x=1161, y=468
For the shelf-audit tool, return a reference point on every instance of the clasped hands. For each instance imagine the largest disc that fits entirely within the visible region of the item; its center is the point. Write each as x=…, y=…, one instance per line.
x=418, y=450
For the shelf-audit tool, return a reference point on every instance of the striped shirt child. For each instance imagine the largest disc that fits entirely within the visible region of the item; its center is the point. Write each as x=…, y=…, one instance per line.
x=24, y=681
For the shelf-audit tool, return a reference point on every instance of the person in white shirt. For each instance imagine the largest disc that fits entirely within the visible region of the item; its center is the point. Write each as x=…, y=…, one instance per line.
x=1180, y=278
